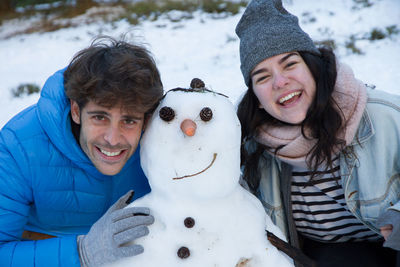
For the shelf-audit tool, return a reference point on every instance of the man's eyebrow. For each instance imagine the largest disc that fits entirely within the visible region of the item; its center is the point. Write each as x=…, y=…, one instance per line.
x=130, y=117
x=97, y=112
x=127, y=116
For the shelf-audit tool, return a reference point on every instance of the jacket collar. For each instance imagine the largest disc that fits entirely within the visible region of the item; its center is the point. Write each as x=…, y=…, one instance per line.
x=365, y=130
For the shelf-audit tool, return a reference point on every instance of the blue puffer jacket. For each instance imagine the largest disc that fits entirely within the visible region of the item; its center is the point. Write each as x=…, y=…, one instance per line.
x=49, y=185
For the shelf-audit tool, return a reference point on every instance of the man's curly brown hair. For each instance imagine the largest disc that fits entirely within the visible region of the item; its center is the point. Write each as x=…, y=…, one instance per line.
x=110, y=73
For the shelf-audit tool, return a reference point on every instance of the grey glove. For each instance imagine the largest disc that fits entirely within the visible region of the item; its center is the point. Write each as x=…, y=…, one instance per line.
x=104, y=242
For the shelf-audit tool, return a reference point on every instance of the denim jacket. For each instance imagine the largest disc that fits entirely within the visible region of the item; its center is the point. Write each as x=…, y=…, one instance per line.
x=371, y=182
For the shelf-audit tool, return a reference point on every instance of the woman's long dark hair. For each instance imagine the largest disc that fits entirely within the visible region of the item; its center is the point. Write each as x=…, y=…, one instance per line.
x=323, y=119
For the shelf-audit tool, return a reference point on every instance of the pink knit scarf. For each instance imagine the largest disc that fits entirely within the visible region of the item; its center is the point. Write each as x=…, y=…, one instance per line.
x=351, y=96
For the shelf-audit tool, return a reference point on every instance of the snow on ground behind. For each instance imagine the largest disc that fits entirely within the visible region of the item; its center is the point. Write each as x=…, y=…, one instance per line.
x=205, y=47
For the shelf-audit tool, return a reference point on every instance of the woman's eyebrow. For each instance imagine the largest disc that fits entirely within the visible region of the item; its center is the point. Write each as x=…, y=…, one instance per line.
x=287, y=56
x=258, y=71
x=280, y=62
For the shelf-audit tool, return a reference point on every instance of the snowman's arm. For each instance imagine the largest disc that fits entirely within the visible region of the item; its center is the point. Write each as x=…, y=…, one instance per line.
x=295, y=253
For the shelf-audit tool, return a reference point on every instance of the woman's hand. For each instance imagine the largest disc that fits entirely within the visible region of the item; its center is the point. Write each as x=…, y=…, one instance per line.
x=386, y=230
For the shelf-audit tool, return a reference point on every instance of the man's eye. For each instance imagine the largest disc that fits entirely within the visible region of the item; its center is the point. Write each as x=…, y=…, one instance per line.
x=99, y=117
x=130, y=122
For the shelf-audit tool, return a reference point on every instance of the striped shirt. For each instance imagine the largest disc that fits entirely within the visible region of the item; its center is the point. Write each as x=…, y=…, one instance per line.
x=320, y=211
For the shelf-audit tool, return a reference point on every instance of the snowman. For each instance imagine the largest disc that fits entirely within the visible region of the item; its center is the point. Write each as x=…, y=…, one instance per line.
x=190, y=153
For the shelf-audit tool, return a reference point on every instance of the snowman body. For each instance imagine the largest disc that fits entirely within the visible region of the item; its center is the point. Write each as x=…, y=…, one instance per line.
x=203, y=217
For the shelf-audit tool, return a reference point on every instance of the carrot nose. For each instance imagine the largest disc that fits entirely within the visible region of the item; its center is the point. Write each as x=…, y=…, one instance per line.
x=188, y=127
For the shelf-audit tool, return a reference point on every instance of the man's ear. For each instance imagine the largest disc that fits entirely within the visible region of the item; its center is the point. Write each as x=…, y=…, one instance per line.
x=75, y=112
x=145, y=121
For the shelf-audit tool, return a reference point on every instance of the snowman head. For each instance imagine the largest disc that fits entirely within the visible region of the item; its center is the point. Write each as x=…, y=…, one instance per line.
x=191, y=146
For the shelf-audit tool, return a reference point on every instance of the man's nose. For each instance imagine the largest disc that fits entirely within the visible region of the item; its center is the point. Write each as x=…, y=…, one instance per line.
x=113, y=135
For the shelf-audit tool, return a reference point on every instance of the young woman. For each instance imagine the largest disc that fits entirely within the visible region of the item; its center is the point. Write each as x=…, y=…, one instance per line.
x=320, y=149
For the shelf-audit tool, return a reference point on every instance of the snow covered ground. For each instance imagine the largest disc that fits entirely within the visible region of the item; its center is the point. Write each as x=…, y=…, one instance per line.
x=205, y=47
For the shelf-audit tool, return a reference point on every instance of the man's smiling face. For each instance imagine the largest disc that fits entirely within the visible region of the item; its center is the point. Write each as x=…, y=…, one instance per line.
x=108, y=136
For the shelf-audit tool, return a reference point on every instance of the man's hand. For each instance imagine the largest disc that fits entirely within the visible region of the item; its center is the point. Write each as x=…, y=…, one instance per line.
x=107, y=238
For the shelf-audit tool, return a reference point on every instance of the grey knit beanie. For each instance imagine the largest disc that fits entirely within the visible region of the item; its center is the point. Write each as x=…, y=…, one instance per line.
x=267, y=29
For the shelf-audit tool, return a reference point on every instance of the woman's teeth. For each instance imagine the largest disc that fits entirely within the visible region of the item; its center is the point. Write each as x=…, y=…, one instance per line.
x=289, y=96
x=110, y=154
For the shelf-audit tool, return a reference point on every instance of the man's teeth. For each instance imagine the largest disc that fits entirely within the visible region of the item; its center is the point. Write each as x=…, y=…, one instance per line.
x=289, y=96
x=110, y=154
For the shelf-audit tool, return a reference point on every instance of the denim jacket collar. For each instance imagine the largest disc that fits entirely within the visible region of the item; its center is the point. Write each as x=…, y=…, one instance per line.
x=365, y=130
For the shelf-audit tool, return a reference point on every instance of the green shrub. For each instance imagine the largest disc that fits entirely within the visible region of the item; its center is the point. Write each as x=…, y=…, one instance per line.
x=392, y=30
x=153, y=9
x=144, y=8
x=360, y=4
x=26, y=89
x=23, y=3
x=326, y=43
x=169, y=5
x=219, y=6
x=376, y=34
x=351, y=45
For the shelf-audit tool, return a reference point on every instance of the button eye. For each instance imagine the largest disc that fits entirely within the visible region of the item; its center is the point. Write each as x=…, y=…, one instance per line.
x=167, y=113
x=206, y=114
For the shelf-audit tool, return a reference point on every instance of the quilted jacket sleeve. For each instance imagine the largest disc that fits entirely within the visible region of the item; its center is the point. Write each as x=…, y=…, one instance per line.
x=16, y=198
x=50, y=252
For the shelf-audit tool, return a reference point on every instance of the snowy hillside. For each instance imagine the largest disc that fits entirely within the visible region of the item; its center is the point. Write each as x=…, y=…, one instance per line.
x=366, y=37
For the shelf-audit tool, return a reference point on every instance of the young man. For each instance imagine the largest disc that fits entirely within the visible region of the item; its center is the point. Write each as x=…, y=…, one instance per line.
x=65, y=160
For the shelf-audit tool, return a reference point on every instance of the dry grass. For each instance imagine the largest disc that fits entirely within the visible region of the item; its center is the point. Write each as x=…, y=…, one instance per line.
x=56, y=17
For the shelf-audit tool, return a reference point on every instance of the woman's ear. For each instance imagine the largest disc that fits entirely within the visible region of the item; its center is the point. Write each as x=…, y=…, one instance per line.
x=75, y=112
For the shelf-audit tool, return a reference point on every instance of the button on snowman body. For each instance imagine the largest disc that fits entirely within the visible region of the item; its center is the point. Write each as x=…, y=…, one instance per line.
x=190, y=153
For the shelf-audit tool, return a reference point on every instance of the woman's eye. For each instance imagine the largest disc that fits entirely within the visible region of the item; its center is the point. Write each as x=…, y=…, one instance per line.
x=167, y=113
x=262, y=79
x=206, y=114
x=290, y=64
